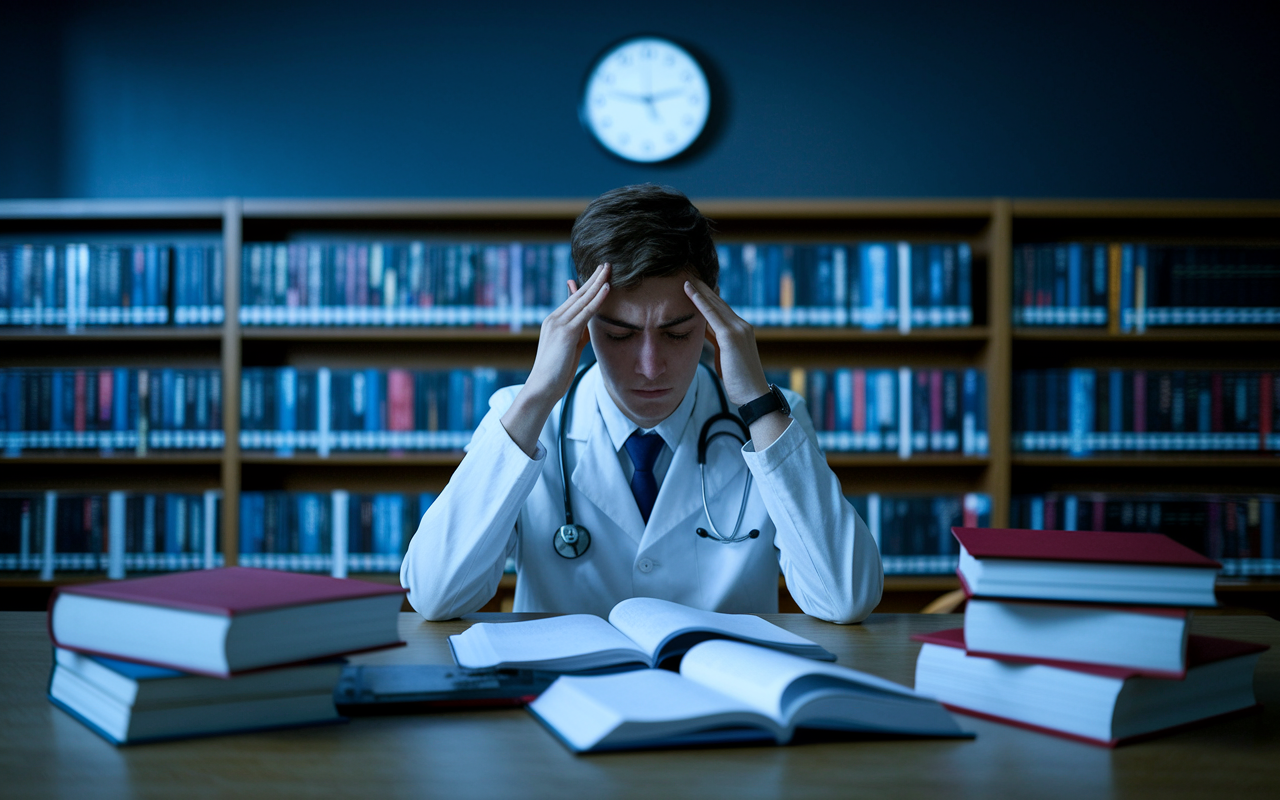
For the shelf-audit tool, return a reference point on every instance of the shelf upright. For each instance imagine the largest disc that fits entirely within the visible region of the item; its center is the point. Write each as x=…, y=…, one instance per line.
x=999, y=360
x=232, y=237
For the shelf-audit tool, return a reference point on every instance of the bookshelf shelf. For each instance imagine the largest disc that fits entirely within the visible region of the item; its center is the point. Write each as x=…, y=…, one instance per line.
x=114, y=460
x=990, y=226
x=1158, y=336
x=1150, y=461
x=191, y=334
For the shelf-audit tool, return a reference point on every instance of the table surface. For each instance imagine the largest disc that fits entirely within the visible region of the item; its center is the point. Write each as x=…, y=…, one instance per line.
x=506, y=753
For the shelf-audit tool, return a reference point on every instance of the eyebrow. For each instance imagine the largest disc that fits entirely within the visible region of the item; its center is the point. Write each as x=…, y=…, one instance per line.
x=629, y=326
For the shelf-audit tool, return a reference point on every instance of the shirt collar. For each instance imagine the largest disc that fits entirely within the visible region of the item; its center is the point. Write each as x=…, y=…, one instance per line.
x=620, y=427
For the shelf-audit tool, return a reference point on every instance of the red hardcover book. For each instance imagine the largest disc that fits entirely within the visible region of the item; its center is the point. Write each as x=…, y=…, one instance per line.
x=399, y=400
x=1071, y=702
x=222, y=622
x=1084, y=566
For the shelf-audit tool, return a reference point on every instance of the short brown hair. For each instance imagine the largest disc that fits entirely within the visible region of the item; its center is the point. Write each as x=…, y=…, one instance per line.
x=644, y=231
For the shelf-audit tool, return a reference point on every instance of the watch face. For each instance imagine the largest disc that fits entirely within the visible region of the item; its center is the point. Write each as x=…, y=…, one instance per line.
x=646, y=100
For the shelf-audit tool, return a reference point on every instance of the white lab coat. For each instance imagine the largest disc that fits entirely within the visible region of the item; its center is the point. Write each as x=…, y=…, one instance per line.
x=502, y=503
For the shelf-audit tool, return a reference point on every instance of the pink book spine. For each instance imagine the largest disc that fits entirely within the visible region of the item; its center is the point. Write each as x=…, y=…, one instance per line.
x=860, y=400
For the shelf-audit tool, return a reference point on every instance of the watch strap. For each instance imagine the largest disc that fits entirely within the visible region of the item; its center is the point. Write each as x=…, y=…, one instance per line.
x=765, y=404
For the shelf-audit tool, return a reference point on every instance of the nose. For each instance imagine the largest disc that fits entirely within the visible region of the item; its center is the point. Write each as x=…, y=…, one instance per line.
x=650, y=361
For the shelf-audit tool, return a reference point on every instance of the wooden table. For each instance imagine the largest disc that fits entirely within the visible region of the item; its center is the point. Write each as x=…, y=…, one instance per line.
x=506, y=754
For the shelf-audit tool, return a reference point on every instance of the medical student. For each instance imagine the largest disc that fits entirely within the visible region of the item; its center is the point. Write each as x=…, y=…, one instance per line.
x=639, y=500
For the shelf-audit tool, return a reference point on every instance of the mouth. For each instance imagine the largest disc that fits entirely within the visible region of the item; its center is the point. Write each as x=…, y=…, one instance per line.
x=651, y=394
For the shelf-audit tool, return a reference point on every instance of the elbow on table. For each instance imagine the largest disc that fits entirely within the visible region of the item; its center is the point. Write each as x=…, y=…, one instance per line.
x=427, y=599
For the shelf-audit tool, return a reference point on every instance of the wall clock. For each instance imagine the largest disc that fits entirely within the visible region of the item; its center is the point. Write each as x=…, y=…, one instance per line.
x=646, y=99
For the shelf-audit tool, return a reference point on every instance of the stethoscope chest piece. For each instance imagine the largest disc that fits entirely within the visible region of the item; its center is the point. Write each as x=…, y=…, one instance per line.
x=572, y=540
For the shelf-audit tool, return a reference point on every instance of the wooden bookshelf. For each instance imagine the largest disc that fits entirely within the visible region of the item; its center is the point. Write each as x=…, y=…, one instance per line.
x=990, y=226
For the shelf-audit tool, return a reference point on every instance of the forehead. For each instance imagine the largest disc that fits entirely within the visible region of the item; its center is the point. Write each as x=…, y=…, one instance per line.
x=653, y=302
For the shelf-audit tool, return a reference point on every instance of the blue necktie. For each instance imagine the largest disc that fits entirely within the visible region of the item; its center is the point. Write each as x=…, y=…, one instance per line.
x=644, y=450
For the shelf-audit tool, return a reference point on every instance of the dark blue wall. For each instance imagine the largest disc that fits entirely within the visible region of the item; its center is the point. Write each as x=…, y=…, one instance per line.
x=380, y=98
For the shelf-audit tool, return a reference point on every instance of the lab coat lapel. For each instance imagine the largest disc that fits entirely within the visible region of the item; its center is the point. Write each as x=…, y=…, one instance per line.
x=598, y=476
x=680, y=495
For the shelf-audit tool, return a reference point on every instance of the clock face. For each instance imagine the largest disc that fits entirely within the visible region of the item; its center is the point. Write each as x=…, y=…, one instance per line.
x=646, y=100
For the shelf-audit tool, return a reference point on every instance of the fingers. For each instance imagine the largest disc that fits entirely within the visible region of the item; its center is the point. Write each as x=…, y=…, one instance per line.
x=582, y=295
x=592, y=307
x=711, y=306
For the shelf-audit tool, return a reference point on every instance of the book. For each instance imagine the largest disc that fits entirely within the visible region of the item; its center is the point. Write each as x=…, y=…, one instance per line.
x=640, y=632
x=128, y=703
x=369, y=689
x=1083, y=566
x=1238, y=530
x=1151, y=640
x=1095, y=704
x=913, y=532
x=729, y=692
x=1132, y=286
x=1081, y=411
x=225, y=621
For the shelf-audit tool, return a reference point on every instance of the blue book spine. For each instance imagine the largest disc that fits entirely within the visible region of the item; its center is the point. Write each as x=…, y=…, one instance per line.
x=393, y=543
x=1082, y=410
x=1126, y=288
x=372, y=400
x=1099, y=296
x=457, y=396
x=1115, y=394
x=1075, y=278
x=964, y=260
x=936, y=283
x=286, y=409
x=252, y=516
x=171, y=523
x=968, y=412
x=1268, y=533
x=843, y=379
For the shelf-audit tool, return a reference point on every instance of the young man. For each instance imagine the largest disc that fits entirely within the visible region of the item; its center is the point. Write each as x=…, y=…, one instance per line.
x=645, y=299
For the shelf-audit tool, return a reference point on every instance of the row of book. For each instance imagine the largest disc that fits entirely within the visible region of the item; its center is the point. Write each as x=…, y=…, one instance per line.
x=342, y=532
x=111, y=532
x=79, y=284
x=286, y=409
x=901, y=411
x=913, y=532
x=332, y=532
x=1081, y=411
x=119, y=532
x=429, y=283
x=110, y=409
x=1133, y=286
x=1085, y=635
x=1237, y=530
x=871, y=285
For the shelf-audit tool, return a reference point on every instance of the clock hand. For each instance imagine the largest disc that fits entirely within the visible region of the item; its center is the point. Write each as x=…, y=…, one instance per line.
x=666, y=94
x=636, y=98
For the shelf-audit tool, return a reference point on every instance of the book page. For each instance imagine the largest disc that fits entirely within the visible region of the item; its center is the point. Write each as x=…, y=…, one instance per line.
x=647, y=706
x=567, y=642
x=761, y=678
x=651, y=623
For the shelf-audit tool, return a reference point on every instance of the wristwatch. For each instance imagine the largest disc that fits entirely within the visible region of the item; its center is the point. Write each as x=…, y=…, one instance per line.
x=765, y=404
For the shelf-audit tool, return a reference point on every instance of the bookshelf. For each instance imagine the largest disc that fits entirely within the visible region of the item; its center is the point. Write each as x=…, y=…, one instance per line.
x=990, y=227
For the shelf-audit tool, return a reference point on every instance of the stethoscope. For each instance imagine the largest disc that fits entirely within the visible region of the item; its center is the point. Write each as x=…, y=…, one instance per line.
x=572, y=540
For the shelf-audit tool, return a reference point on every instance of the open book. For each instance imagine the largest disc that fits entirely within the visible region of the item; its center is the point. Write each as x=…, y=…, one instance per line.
x=732, y=692
x=641, y=632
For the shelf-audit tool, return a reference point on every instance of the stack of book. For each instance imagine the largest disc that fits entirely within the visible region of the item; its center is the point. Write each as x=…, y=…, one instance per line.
x=211, y=651
x=1085, y=635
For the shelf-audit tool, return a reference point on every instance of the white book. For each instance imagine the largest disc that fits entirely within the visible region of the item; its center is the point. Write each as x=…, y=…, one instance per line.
x=641, y=631
x=732, y=692
x=130, y=703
